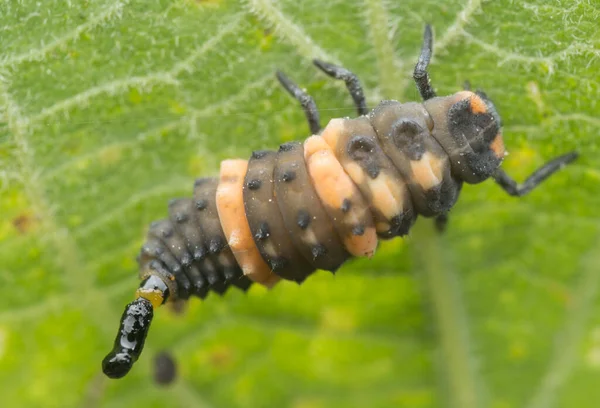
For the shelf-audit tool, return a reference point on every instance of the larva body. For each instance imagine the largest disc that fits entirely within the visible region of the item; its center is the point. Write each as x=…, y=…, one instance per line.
x=314, y=204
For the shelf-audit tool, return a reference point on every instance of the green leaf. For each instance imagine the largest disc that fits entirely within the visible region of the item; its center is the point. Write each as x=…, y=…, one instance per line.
x=109, y=108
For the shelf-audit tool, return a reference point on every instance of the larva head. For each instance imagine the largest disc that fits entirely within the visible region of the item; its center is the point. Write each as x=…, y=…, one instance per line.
x=134, y=327
x=467, y=126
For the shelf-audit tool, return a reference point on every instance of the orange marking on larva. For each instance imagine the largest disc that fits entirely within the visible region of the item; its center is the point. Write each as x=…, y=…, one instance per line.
x=427, y=171
x=436, y=165
x=356, y=173
x=383, y=197
x=331, y=182
x=333, y=185
x=331, y=133
x=230, y=206
x=497, y=146
x=477, y=104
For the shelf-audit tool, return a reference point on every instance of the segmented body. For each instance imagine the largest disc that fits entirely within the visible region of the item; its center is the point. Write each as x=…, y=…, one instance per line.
x=312, y=205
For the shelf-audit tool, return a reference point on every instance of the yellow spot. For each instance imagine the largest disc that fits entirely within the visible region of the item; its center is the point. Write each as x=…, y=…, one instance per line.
x=3, y=341
x=110, y=155
x=154, y=296
x=593, y=352
x=203, y=3
x=593, y=173
x=338, y=319
x=82, y=164
x=507, y=297
x=75, y=220
x=501, y=404
x=177, y=108
x=196, y=165
x=221, y=357
x=413, y=398
x=391, y=246
x=308, y=402
x=521, y=161
x=134, y=96
x=264, y=38
x=517, y=351
x=593, y=357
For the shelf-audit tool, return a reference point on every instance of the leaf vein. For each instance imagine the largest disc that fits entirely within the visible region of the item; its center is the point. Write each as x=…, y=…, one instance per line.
x=456, y=30
x=187, y=64
x=39, y=53
x=506, y=56
x=457, y=366
x=67, y=256
x=390, y=68
x=267, y=11
x=110, y=88
x=567, y=344
x=168, y=186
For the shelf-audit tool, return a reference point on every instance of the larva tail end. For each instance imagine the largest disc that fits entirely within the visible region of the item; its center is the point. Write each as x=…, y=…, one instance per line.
x=135, y=324
x=130, y=339
x=116, y=365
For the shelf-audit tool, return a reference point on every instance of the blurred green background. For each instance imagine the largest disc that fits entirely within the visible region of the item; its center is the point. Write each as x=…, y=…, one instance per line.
x=109, y=108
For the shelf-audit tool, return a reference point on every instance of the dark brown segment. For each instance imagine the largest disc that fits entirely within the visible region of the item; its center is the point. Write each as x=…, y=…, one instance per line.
x=154, y=248
x=200, y=285
x=307, y=222
x=174, y=254
x=404, y=133
x=183, y=218
x=266, y=223
x=154, y=251
x=182, y=213
x=357, y=148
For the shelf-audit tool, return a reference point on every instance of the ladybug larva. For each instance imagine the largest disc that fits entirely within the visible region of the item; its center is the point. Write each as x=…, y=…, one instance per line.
x=315, y=204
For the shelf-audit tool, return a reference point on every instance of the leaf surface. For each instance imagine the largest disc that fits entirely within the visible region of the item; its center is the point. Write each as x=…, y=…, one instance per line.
x=109, y=108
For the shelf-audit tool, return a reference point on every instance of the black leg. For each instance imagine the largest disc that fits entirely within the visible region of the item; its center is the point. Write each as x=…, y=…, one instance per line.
x=307, y=102
x=420, y=74
x=441, y=222
x=541, y=174
x=351, y=80
x=467, y=85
